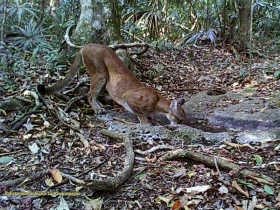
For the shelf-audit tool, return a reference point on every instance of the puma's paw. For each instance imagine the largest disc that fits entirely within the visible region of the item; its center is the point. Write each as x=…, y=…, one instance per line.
x=99, y=111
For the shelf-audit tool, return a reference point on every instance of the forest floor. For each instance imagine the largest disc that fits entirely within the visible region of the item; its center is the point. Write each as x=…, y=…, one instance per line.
x=42, y=143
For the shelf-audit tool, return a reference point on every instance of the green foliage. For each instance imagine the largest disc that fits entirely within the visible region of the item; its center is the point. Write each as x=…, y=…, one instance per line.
x=9, y=56
x=277, y=74
x=56, y=25
x=205, y=36
x=267, y=18
x=150, y=18
x=29, y=37
x=269, y=190
x=29, y=29
x=199, y=22
x=248, y=184
x=163, y=45
x=20, y=12
x=55, y=61
x=258, y=160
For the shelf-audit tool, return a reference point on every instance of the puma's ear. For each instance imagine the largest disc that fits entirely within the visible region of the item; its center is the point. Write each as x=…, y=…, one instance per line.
x=177, y=114
x=176, y=102
x=180, y=101
x=174, y=105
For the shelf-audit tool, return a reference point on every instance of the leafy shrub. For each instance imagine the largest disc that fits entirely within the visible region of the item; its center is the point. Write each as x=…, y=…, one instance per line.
x=202, y=37
x=267, y=19
x=29, y=37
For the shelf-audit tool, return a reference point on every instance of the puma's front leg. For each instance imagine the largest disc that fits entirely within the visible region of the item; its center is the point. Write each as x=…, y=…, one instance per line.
x=95, y=104
x=143, y=119
x=96, y=85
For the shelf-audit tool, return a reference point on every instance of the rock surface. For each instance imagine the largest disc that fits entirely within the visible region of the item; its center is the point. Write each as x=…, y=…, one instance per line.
x=253, y=119
x=237, y=117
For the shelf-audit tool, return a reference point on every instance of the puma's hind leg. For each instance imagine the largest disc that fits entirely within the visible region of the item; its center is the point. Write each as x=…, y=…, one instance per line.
x=96, y=86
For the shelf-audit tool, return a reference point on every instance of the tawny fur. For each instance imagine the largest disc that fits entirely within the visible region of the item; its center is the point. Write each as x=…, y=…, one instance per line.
x=106, y=69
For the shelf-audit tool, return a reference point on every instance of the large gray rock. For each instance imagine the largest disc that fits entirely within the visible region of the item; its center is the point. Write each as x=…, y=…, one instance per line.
x=255, y=118
x=237, y=117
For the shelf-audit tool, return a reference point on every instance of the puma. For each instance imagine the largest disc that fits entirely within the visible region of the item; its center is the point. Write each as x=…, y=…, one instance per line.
x=106, y=69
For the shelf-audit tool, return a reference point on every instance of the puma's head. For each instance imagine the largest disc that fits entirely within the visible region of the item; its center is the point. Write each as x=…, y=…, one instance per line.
x=176, y=114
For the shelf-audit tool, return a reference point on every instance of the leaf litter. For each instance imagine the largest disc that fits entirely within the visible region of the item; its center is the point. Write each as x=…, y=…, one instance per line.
x=43, y=143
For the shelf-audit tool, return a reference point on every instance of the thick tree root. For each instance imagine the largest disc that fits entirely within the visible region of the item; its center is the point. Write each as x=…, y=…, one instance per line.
x=213, y=160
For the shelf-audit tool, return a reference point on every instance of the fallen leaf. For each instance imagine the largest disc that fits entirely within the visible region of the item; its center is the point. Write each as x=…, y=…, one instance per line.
x=62, y=205
x=198, y=189
x=268, y=189
x=180, y=173
x=29, y=126
x=95, y=204
x=223, y=189
x=34, y=148
x=49, y=182
x=258, y=160
x=236, y=186
x=160, y=198
x=6, y=159
x=56, y=174
x=46, y=123
x=178, y=205
x=278, y=197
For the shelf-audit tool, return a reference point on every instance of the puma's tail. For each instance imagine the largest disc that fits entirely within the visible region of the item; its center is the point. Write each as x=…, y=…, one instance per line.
x=60, y=85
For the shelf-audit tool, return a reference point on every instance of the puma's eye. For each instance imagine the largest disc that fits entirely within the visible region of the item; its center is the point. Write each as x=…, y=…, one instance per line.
x=181, y=121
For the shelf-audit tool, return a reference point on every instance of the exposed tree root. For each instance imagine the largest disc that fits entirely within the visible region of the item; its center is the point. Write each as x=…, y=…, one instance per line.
x=60, y=115
x=111, y=184
x=153, y=149
x=73, y=101
x=32, y=177
x=124, y=121
x=221, y=162
x=23, y=118
x=113, y=46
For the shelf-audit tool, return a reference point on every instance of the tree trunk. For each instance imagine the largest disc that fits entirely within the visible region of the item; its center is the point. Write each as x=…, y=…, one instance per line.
x=54, y=4
x=114, y=24
x=91, y=27
x=42, y=14
x=245, y=29
x=5, y=13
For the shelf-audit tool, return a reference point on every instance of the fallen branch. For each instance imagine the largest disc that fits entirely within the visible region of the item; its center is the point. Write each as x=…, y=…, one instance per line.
x=74, y=179
x=23, y=118
x=73, y=101
x=113, y=46
x=19, y=181
x=124, y=121
x=58, y=113
x=210, y=161
x=62, y=120
x=238, y=146
x=32, y=177
x=82, y=81
x=153, y=149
